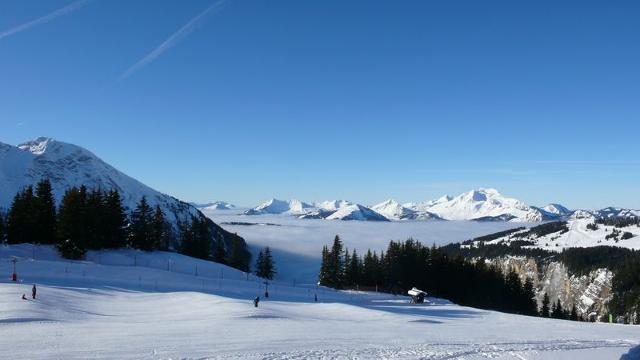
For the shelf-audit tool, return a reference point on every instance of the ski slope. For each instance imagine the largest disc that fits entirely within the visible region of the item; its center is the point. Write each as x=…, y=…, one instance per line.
x=132, y=305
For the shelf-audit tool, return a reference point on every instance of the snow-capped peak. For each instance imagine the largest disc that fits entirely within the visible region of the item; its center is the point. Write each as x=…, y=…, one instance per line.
x=333, y=205
x=484, y=203
x=37, y=146
x=275, y=206
x=218, y=205
x=557, y=209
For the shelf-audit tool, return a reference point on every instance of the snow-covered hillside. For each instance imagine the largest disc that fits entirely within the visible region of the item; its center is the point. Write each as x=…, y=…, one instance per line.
x=356, y=212
x=393, y=210
x=578, y=233
x=67, y=165
x=132, y=305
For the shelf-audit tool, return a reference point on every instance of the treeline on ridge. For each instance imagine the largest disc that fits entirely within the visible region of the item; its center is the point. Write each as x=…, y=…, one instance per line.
x=96, y=219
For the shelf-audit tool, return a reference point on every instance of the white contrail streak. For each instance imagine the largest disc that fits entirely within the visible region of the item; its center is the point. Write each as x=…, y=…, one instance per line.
x=60, y=12
x=171, y=41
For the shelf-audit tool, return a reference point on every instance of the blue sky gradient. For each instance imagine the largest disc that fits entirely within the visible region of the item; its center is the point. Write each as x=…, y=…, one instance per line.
x=363, y=100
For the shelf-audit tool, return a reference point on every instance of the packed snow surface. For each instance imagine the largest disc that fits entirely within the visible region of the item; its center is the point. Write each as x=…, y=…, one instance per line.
x=132, y=305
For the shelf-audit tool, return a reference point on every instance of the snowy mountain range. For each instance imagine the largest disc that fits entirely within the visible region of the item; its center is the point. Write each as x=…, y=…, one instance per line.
x=216, y=205
x=479, y=205
x=67, y=165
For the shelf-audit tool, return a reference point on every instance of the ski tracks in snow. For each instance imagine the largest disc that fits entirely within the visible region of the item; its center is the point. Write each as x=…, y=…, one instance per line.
x=444, y=351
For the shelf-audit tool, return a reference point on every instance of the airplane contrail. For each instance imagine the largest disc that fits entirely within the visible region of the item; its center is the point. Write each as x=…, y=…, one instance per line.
x=171, y=41
x=44, y=19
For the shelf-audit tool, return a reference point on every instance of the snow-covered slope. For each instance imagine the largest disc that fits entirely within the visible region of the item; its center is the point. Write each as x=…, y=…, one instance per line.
x=577, y=233
x=356, y=212
x=484, y=204
x=67, y=165
x=105, y=308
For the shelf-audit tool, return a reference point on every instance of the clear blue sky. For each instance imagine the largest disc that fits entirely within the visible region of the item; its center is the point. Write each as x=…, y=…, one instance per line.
x=363, y=100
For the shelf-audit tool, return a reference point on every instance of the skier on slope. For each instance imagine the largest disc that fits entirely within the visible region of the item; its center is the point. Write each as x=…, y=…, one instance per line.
x=256, y=301
x=33, y=292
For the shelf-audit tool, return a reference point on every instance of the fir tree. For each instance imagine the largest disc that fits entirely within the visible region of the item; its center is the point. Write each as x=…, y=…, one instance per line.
x=21, y=221
x=45, y=213
x=159, y=230
x=545, y=311
x=260, y=264
x=141, y=226
x=265, y=266
x=71, y=229
x=530, y=306
x=237, y=257
x=115, y=221
x=3, y=227
x=557, y=312
x=574, y=313
x=220, y=254
x=195, y=239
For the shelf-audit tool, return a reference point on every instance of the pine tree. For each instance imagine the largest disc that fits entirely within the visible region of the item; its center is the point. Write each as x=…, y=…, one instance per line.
x=21, y=221
x=115, y=221
x=260, y=264
x=557, y=312
x=71, y=228
x=352, y=269
x=545, y=311
x=323, y=276
x=159, y=230
x=3, y=227
x=269, y=267
x=141, y=230
x=195, y=239
x=574, y=313
x=94, y=215
x=237, y=257
x=220, y=254
x=45, y=213
x=336, y=264
x=529, y=301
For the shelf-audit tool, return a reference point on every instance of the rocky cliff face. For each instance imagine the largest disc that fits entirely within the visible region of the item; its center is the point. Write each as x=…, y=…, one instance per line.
x=590, y=292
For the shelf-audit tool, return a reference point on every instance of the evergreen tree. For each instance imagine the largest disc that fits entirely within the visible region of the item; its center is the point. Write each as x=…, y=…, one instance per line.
x=352, y=269
x=574, y=313
x=323, y=276
x=195, y=239
x=94, y=217
x=237, y=257
x=3, y=227
x=45, y=213
x=71, y=227
x=557, y=312
x=530, y=306
x=336, y=264
x=115, y=221
x=220, y=254
x=160, y=230
x=545, y=311
x=260, y=264
x=269, y=267
x=141, y=226
x=21, y=220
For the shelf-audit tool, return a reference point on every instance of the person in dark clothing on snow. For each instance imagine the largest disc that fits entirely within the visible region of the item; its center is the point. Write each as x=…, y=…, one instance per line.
x=256, y=301
x=33, y=291
x=24, y=297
